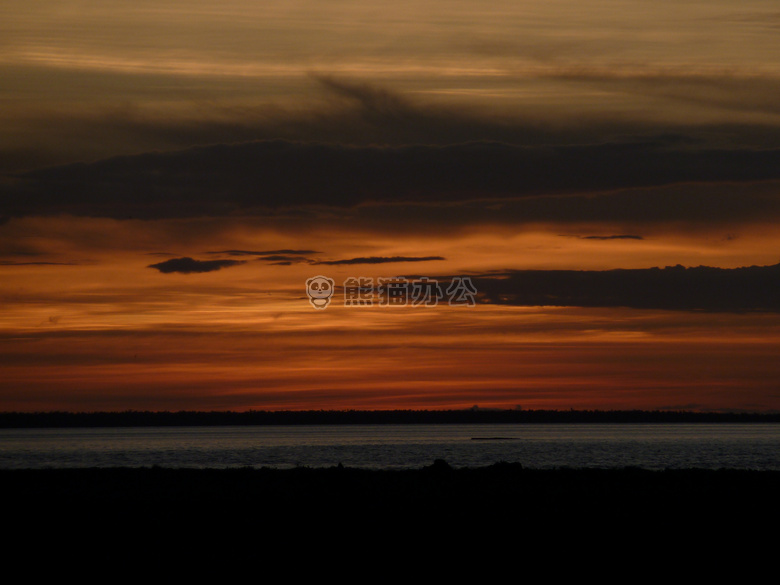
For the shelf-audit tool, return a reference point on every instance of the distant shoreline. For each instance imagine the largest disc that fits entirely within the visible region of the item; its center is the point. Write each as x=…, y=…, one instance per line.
x=348, y=417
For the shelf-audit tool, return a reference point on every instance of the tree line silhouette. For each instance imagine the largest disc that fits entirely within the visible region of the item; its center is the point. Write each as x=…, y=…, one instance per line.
x=137, y=418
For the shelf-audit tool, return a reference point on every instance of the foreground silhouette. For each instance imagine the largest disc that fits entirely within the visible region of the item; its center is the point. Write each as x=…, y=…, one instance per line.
x=437, y=489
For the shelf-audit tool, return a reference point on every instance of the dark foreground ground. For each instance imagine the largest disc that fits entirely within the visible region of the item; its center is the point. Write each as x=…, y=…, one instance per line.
x=326, y=519
x=342, y=521
x=503, y=492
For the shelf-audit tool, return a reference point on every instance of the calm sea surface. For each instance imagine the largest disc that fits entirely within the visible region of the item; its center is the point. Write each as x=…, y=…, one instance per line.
x=651, y=446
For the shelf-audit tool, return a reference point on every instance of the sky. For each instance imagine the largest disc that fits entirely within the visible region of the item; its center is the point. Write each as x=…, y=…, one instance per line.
x=599, y=181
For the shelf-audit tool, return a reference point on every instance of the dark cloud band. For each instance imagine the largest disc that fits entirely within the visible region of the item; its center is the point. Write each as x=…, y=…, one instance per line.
x=259, y=177
x=190, y=265
x=703, y=288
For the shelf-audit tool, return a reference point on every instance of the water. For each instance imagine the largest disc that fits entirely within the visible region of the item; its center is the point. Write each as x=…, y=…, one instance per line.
x=650, y=446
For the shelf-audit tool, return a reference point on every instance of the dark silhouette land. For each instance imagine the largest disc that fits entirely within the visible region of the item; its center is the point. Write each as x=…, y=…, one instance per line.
x=342, y=417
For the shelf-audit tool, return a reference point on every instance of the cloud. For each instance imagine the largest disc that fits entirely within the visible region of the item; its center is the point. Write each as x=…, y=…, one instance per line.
x=722, y=89
x=702, y=288
x=189, y=265
x=724, y=205
x=735, y=108
x=615, y=237
x=264, y=252
x=379, y=260
x=12, y=263
x=373, y=102
x=268, y=176
x=285, y=258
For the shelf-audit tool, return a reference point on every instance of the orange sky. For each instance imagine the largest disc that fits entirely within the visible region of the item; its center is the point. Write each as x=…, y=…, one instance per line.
x=286, y=140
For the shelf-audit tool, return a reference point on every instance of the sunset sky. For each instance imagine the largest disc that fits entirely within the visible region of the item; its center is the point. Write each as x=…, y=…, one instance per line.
x=172, y=172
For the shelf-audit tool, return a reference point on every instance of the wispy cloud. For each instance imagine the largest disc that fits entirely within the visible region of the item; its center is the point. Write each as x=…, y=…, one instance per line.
x=615, y=237
x=284, y=258
x=263, y=252
x=11, y=263
x=379, y=260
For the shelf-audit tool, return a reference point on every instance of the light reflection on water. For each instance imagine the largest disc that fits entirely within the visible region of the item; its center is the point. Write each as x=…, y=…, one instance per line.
x=651, y=446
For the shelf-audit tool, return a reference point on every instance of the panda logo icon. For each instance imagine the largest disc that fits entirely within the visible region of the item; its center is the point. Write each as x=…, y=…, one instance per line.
x=319, y=289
